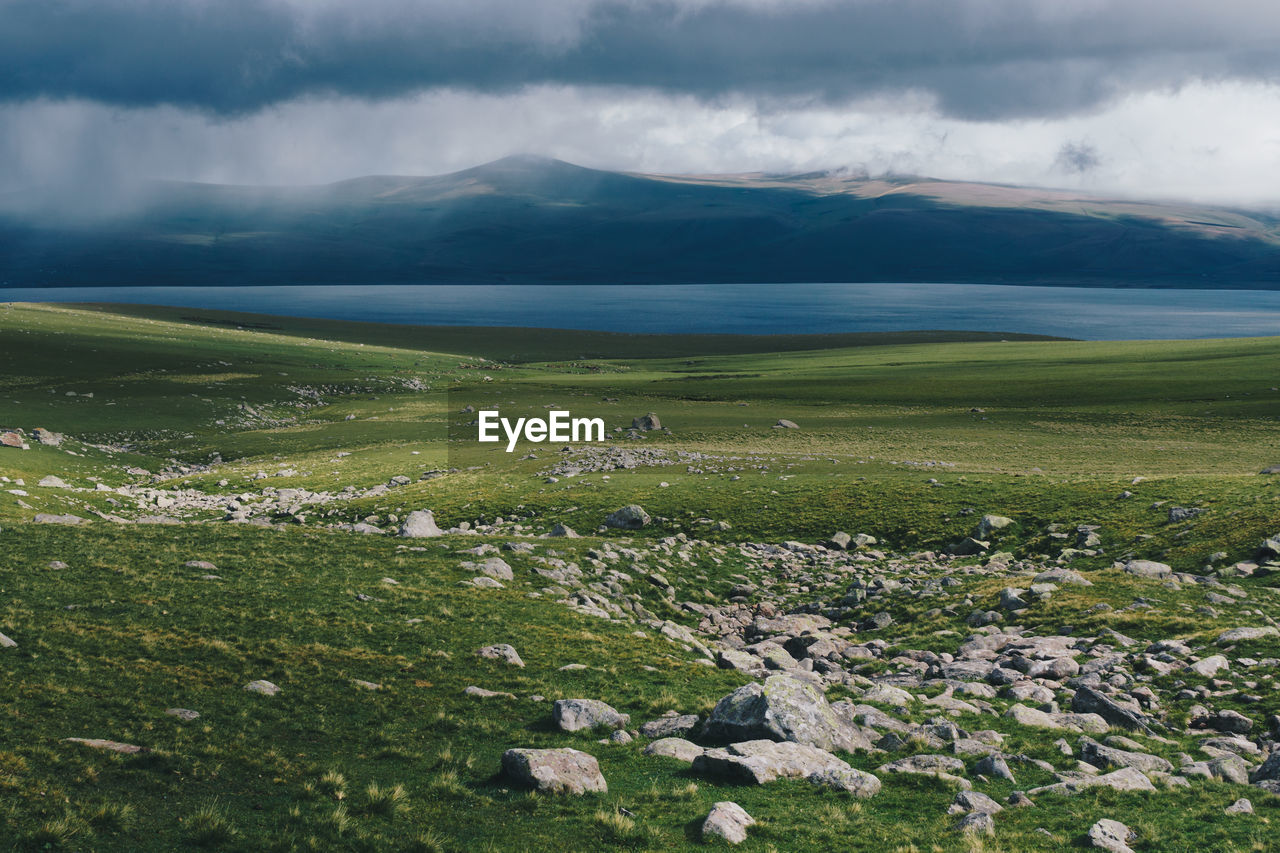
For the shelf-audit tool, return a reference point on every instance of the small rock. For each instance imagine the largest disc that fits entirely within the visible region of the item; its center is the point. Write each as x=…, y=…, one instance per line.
x=728, y=821
x=1111, y=835
x=184, y=714
x=266, y=688
x=108, y=745
x=501, y=651
x=1240, y=806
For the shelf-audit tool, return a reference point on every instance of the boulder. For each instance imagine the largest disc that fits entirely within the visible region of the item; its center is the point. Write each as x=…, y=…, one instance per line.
x=758, y=762
x=1210, y=666
x=1107, y=757
x=52, y=482
x=503, y=652
x=265, y=688
x=575, y=715
x=783, y=423
x=783, y=708
x=1090, y=701
x=1240, y=635
x=50, y=518
x=630, y=517
x=990, y=524
x=728, y=821
x=1147, y=569
x=1112, y=836
x=646, y=422
x=856, y=782
x=420, y=524
x=45, y=437
x=554, y=771
x=674, y=747
x=672, y=726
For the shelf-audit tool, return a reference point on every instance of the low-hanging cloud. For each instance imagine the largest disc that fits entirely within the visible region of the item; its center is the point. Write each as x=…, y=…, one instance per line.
x=977, y=59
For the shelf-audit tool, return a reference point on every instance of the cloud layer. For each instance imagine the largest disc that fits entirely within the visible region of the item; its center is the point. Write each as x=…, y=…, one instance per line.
x=1140, y=97
x=980, y=59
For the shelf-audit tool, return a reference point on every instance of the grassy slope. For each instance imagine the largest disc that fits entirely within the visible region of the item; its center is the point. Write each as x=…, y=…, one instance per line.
x=145, y=634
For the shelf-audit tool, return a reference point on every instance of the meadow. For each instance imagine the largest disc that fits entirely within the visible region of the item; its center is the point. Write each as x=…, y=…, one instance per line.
x=313, y=428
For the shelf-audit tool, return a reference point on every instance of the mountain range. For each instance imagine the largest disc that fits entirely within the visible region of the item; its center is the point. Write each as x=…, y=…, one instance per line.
x=530, y=219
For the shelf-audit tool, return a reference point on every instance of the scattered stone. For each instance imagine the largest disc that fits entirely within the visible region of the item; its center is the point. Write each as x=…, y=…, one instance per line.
x=184, y=714
x=1148, y=569
x=108, y=745
x=1240, y=635
x=670, y=726
x=758, y=762
x=266, y=688
x=501, y=651
x=646, y=423
x=674, y=747
x=420, y=524
x=50, y=518
x=481, y=693
x=1240, y=806
x=973, y=801
x=630, y=517
x=784, y=709
x=728, y=821
x=575, y=715
x=852, y=781
x=1112, y=836
x=976, y=823
x=563, y=531
x=554, y=771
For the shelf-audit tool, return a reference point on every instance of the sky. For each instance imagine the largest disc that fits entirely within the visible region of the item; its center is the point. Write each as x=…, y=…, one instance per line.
x=1141, y=98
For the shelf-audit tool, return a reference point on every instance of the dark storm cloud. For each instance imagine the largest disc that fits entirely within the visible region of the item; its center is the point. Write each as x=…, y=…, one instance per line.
x=985, y=59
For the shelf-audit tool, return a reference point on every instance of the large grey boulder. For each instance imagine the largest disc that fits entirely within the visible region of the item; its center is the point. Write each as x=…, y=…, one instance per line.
x=759, y=762
x=783, y=708
x=1107, y=757
x=944, y=767
x=575, y=715
x=50, y=518
x=1090, y=701
x=420, y=524
x=728, y=821
x=1240, y=635
x=670, y=726
x=647, y=422
x=990, y=524
x=554, y=771
x=629, y=517
x=1148, y=569
x=859, y=783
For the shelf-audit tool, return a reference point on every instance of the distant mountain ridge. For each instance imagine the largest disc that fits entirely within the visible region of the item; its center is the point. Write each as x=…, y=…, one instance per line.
x=530, y=219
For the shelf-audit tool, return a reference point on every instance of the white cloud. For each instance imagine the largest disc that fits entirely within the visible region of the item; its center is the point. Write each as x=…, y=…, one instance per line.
x=1207, y=141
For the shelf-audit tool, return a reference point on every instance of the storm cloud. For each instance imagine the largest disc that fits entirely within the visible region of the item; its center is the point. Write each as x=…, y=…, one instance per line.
x=977, y=59
x=1150, y=98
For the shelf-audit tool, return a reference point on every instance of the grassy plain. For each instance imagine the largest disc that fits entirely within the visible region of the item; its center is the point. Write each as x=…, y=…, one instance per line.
x=908, y=440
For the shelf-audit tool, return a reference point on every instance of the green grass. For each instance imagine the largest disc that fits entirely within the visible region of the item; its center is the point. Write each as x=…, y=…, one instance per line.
x=125, y=632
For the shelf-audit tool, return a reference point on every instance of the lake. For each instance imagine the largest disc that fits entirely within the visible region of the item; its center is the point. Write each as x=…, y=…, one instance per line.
x=1089, y=313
